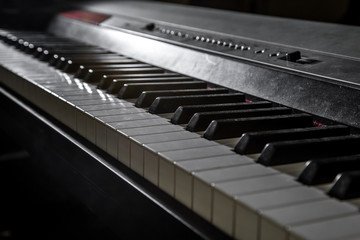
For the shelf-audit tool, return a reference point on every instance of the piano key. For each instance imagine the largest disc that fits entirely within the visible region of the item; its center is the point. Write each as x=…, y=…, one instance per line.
x=224, y=194
x=170, y=104
x=59, y=62
x=153, y=149
x=145, y=162
x=82, y=71
x=332, y=229
x=249, y=208
x=109, y=81
x=167, y=160
x=319, y=171
x=95, y=75
x=116, y=84
x=72, y=65
x=229, y=128
x=200, y=121
x=147, y=97
x=274, y=222
x=204, y=179
x=346, y=185
x=254, y=142
x=301, y=150
x=133, y=90
x=47, y=54
x=131, y=132
x=183, y=114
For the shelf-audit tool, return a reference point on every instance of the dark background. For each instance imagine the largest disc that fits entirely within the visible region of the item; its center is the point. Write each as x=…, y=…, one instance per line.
x=27, y=14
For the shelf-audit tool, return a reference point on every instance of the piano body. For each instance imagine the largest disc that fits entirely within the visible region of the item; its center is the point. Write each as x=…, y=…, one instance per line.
x=180, y=122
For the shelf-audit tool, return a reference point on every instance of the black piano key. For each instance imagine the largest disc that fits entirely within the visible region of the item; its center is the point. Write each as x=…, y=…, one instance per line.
x=47, y=54
x=183, y=114
x=230, y=128
x=55, y=55
x=96, y=75
x=116, y=84
x=146, y=98
x=60, y=61
x=83, y=70
x=254, y=142
x=170, y=104
x=324, y=170
x=346, y=186
x=286, y=152
x=200, y=121
x=133, y=90
x=112, y=84
x=72, y=65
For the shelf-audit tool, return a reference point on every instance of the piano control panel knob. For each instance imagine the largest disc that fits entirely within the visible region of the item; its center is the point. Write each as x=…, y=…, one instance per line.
x=293, y=56
x=150, y=26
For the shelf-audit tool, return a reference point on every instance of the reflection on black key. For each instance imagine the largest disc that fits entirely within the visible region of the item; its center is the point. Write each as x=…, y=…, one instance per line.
x=324, y=170
x=183, y=114
x=108, y=81
x=47, y=54
x=117, y=84
x=71, y=66
x=83, y=70
x=96, y=75
x=133, y=90
x=254, y=142
x=229, y=128
x=285, y=152
x=200, y=121
x=346, y=186
x=170, y=104
x=146, y=98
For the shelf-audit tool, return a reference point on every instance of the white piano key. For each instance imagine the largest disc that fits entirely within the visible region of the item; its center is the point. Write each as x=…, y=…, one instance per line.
x=141, y=154
x=125, y=134
x=101, y=126
x=224, y=196
x=275, y=222
x=167, y=160
x=155, y=148
x=247, y=209
x=333, y=229
x=203, y=181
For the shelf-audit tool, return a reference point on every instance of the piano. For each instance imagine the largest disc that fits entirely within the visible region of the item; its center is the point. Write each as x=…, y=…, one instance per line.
x=170, y=121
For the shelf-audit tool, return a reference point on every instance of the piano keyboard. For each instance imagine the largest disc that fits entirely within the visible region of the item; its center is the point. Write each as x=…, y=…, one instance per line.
x=241, y=165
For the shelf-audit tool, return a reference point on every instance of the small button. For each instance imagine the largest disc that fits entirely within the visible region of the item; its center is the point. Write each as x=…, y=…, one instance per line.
x=293, y=56
x=274, y=54
x=260, y=51
x=150, y=26
x=244, y=48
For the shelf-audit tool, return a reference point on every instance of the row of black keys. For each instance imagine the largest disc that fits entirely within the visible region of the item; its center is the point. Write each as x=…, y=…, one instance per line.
x=280, y=135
